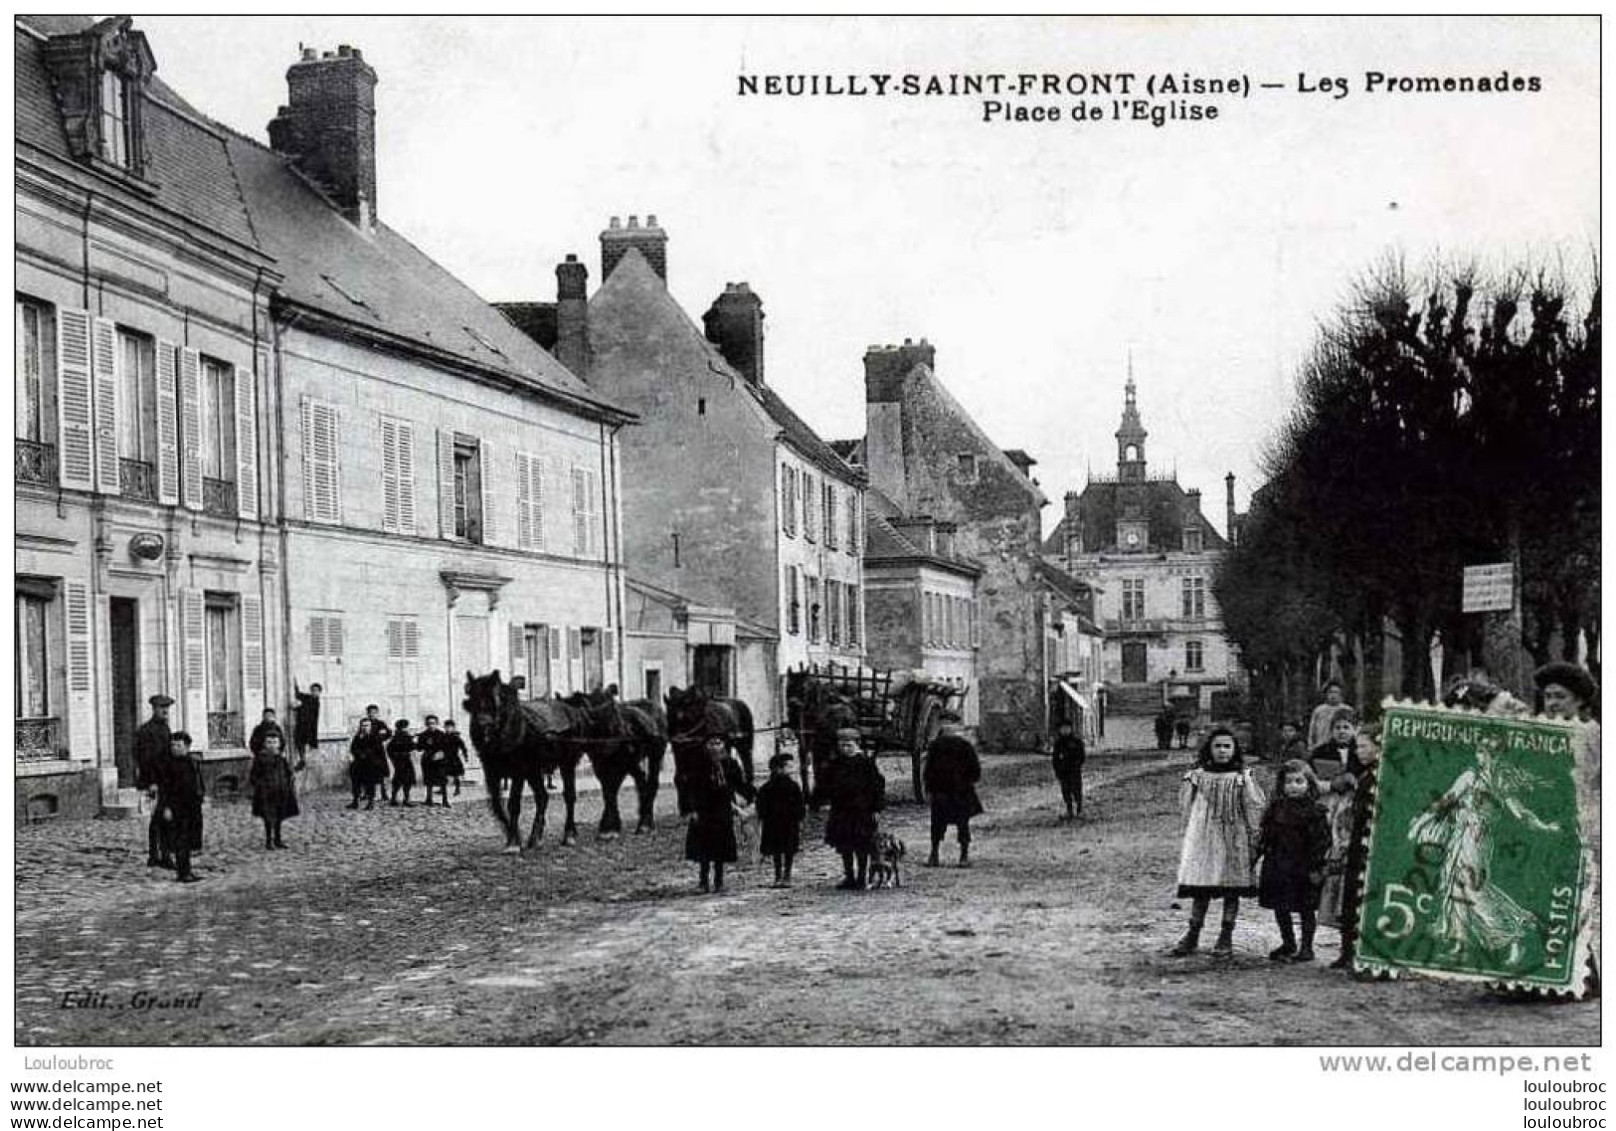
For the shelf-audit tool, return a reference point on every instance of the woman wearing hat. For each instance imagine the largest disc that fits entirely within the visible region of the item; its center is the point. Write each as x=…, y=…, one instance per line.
x=1567, y=691
x=857, y=792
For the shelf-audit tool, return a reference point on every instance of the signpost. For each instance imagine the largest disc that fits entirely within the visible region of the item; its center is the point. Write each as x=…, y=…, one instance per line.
x=1489, y=588
x=1491, y=592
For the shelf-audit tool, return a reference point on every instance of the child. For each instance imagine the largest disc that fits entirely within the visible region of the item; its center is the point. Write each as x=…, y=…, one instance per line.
x=179, y=806
x=373, y=715
x=1336, y=763
x=267, y=724
x=710, y=839
x=1356, y=857
x=454, y=748
x=1181, y=728
x=1290, y=742
x=1294, y=843
x=434, y=760
x=950, y=776
x=781, y=808
x=398, y=753
x=274, y=796
x=1221, y=805
x=1069, y=757
x=857, y=792
x=368, y=768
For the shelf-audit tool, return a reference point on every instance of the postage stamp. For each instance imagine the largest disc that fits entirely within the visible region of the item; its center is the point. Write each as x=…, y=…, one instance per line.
x=1477, y=866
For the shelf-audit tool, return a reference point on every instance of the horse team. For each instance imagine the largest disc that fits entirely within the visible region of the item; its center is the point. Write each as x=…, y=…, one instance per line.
x=522, y=741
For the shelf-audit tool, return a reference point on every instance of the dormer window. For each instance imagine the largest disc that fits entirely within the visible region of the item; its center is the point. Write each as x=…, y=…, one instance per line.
x=98, y=75
x=1192, y=539
x=966, y=468
x=115, y=145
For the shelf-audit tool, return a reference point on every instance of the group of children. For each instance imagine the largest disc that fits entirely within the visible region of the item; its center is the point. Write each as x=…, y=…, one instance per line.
x=854, y=787
x=383, y=755
x=1300, y=853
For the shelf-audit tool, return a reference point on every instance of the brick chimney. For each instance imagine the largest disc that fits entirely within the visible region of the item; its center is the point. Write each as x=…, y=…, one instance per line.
x=572, y=315
x=616, y=240
x=734, y=323
x=1194, y=499
x=1228, y=482
x=329, y=128
x=886, y=366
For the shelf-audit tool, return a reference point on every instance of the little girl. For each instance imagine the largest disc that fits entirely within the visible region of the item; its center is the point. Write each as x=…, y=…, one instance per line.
x=781, y=808
x=274, y=796
x=1294, y=843
x=1221, y=804
x=710, y=839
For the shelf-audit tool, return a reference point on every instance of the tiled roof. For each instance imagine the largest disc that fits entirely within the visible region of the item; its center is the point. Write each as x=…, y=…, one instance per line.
x=187, y=162
x=380, y=281
x=804, y=438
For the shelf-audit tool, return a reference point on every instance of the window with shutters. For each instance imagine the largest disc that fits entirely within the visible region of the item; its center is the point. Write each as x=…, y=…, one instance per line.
x=468, y=489
x=585, y=512
x=855, y=531
x=1192, y=539
x=810, y=508
x=218, y=420
x=31, y=657
x=222, y=657
x=535, y=663
x=137, y=396
x=788, y=500
x=592, y=647
x=832, y=532
x=36, y=338
x=793, y=596
x=322, y=494
x=529, y=501
x=403, y=665
x=852, y=595
x=816, y=610
x=398, y=476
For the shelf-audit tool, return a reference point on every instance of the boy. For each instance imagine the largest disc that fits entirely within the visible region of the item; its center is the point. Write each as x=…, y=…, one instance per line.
x=399, y=753
x=454, y=749
x=857, y=792
x=431, y=742
x=781, y=808
x=179, y=806
x=267, y=724
x=1069, y=757
x=950, y=777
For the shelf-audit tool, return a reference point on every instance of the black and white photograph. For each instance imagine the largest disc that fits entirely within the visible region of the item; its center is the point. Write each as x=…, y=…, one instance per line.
x=806, y=533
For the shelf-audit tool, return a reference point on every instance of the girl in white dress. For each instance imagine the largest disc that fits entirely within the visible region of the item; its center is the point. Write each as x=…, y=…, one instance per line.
x=1222, y=807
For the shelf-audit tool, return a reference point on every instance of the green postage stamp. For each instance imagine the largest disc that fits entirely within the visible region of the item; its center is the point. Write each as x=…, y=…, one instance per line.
x=1477, y=867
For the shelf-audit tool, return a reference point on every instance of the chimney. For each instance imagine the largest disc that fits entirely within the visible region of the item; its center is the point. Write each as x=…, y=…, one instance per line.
x=616, y=240
x=572, y=315
x=885, y=367
x=329, y=128
x=1228, y=482
x=1194, y=494
x=734, y=323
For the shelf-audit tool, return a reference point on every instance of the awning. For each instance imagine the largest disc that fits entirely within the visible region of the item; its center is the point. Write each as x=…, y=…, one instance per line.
x=1075, y=695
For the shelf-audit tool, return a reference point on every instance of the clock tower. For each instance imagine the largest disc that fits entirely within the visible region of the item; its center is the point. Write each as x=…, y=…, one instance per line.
x=1133, y=515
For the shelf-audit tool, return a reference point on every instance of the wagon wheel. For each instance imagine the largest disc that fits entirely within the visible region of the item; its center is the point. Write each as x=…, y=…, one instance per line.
x=927, y=727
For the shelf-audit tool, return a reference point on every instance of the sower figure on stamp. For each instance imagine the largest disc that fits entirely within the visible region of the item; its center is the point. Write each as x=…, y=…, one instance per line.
x=179, y=805
x=152, y=741
x=952, y=771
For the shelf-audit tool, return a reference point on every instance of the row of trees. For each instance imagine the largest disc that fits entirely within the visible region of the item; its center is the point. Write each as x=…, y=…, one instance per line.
x=1440, y=421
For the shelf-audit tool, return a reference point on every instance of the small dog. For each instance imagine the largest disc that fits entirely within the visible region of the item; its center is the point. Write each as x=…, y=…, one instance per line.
x=885, y=860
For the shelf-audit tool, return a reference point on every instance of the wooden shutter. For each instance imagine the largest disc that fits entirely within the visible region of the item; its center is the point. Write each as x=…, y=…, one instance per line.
x=321, y=471
x=81, y=736
x=406, y=477
x=446, y=484
x=190, y=387
x=104, y=363
x=524, y=501
x=73, y=408
x=194, y=664
x=609, y=645
x=532, y=484
x=575, y=644
x=493, y=529
x=518, y=651
x=252, y=651
x=168, y=424
x=246, y=443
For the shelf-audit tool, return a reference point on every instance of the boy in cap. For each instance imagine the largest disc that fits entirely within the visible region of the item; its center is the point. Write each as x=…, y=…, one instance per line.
x=152, y=741
x=781, y=808
x=857, y=792
x=179, y=805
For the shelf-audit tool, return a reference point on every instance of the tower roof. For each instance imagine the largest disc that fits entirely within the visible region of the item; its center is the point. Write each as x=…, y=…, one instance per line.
x=1131, y=428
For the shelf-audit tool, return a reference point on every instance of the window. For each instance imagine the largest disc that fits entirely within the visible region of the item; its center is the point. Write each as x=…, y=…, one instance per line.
x=793, y=597
x=218, y=421
x=322, y=495
x=468, y=489
x=788, y=500
x=966, y=465
x=809, y=510
x=33, y=357
x=1194, y=593
x=653, y=684
x=398, y=476
x=222, y=674
x=589, y=644
x=115, y=119
x=529, y=501
x=326, y=640
x=403, y=687
x=32, y=658
x=137, y=395
x=1133, y=599
x=830, y=516
x=585, y=512
x=536, y=660
x=974, y=613
x=1193, y=660
x=815, y=611
x=855, y=531
x=833, y=608
x=1192, y=539
x=853, y=626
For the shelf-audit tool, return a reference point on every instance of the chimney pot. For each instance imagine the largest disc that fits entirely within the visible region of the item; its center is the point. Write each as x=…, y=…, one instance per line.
x=616, y=223
x=650, y=221
x=617, y=239
x=571, y=258
x=310, y=54
x=633, y=221
x=734, y=323
x=328, y=127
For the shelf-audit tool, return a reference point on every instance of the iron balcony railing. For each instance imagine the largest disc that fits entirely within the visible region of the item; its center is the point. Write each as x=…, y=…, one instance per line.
x=225, y=730
x=219, y=498
x=36, y=463
x=39, y=740
x=138, y=480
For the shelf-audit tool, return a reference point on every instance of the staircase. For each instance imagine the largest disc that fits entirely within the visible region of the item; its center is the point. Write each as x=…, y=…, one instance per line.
x=1134, y=699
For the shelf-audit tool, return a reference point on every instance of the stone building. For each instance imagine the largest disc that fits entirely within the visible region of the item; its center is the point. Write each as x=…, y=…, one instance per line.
x=1144, y=544
x=450, y=490
x=730, y=499
x=147, y=555
x=927, y=456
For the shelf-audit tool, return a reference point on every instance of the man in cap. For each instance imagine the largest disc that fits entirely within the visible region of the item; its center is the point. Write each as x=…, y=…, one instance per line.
x=151, y=750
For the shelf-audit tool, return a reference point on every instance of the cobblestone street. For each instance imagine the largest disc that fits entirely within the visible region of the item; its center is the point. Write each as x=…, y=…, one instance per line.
x=405, y=926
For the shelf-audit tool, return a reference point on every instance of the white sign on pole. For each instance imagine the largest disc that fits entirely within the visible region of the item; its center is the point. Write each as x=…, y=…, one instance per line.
x=1489, y=588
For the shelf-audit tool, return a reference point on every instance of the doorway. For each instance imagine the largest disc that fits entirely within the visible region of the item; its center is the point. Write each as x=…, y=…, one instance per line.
x=710, y=669
x=124, y=621
x=1133, y=661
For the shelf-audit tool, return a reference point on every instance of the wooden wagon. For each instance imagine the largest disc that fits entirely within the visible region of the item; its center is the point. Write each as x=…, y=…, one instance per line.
x=894, y=712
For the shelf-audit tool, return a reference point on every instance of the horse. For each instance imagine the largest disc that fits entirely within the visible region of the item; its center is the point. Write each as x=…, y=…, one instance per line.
x=520, y=741
x=693, y=718
x=628, y=739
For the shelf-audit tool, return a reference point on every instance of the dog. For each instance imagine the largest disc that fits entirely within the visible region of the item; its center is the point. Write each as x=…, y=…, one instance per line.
x=885, y=861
